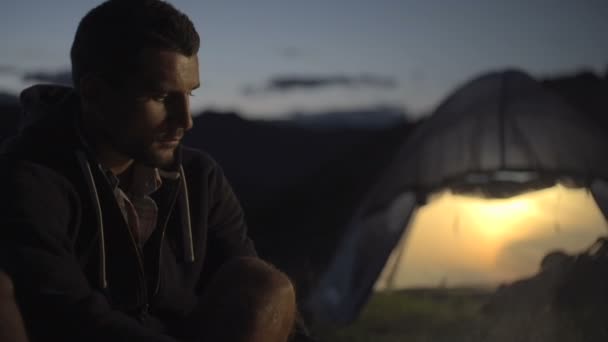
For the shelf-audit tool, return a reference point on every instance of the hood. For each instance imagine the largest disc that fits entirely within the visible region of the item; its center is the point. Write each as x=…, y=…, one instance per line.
x=45, y=117
x=40, y=100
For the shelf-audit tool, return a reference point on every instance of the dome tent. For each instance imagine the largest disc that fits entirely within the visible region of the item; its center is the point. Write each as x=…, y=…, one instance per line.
x=497, y=136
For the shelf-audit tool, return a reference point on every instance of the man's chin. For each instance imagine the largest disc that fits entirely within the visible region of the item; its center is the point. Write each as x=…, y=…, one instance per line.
x=160, y=157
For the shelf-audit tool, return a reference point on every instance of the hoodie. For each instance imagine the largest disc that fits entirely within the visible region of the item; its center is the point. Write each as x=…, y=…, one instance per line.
x=78, y=272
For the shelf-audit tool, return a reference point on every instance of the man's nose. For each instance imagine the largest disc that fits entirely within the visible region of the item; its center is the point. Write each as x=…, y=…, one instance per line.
x=180, y=112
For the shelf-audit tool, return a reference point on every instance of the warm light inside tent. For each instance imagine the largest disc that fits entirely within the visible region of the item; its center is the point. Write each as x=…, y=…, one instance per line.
x=495, y=218
x=462, y=240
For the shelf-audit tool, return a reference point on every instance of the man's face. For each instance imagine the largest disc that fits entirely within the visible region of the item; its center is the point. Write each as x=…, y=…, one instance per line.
x=145, y=118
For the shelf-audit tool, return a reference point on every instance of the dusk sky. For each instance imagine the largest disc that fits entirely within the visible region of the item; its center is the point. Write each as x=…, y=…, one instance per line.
x=361, y=53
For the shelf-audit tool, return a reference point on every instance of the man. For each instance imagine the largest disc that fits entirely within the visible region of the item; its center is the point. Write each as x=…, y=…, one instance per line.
x=110, y=229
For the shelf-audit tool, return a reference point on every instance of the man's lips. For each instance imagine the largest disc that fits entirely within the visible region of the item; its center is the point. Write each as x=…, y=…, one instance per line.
x=170, y=138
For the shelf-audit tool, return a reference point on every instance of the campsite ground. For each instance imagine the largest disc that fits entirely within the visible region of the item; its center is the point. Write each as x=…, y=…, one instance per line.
x=438, y=315
x=413, y=315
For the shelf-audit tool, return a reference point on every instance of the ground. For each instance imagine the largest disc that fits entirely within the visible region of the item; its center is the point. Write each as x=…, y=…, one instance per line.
x=454, y=315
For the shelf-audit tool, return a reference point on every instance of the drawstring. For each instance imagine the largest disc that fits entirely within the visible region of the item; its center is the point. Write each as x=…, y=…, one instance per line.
x=188, y=245
x=86, y=168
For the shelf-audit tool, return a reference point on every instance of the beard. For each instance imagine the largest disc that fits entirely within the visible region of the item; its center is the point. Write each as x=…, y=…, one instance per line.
x=152, y=149
x=163, y=158
x=156, y=155
x=147, y=151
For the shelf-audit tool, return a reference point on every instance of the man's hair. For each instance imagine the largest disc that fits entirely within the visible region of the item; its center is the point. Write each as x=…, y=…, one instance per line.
x=110, y=38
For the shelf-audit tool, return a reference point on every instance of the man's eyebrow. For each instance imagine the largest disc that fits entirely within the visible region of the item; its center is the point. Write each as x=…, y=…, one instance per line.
x=165, y=88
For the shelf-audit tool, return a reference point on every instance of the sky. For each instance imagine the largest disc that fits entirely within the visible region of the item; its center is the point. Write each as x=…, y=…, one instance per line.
x=463, y=241
x=270, y=58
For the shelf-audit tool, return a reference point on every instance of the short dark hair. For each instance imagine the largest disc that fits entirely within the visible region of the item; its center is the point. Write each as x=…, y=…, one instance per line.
x=110, y=38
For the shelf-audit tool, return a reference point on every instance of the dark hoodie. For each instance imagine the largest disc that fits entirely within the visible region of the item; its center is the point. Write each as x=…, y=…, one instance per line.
x=77, y=271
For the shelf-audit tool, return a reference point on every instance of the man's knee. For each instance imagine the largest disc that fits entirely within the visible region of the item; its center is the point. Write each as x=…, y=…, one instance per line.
x=260, y=276
x=11, y=324
x=255, y=294
x=254, y=282
x=6, y=286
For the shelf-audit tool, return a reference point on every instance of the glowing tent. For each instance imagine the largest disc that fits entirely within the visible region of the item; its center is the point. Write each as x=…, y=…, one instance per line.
x=499, y=135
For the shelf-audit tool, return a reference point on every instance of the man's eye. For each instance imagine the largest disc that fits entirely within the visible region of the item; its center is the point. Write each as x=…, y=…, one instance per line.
x=160, y=97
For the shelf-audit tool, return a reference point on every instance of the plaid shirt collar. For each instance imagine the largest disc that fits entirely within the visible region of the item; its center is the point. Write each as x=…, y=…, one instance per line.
x=144, y=181
x=139, y=210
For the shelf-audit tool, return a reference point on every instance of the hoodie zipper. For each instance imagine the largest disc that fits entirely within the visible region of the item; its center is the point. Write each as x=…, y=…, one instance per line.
x=162, y=239
x=141, y=273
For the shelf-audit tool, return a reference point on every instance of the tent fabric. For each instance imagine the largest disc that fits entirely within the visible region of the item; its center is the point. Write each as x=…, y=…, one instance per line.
x=502, y=133
x=363, y=254
x=503, y=121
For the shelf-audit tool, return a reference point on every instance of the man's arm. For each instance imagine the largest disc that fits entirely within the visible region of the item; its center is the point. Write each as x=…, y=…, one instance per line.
x=227, y=226
x=38, y=214
x=228, y=230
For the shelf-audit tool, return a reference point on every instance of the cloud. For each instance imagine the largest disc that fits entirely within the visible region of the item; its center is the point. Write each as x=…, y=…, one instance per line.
x=59, y=77
x=7, y=69
x=291, y=52
x=417, y=76
x=296, y=82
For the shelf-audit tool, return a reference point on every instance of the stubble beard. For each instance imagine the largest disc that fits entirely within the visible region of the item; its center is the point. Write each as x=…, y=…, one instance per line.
x=157, y=156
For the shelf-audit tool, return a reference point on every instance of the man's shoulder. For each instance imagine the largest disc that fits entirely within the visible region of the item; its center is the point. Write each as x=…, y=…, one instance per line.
x=196, y=159
x=25, y=172
x=202, y=168
x=25, y=183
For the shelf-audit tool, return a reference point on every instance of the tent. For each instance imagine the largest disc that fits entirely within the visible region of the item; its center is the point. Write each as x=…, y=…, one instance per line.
x=498, y=135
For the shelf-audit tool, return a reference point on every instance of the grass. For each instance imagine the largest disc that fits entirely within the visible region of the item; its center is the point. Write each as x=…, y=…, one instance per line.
x=413, y=315
x=454, y=315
